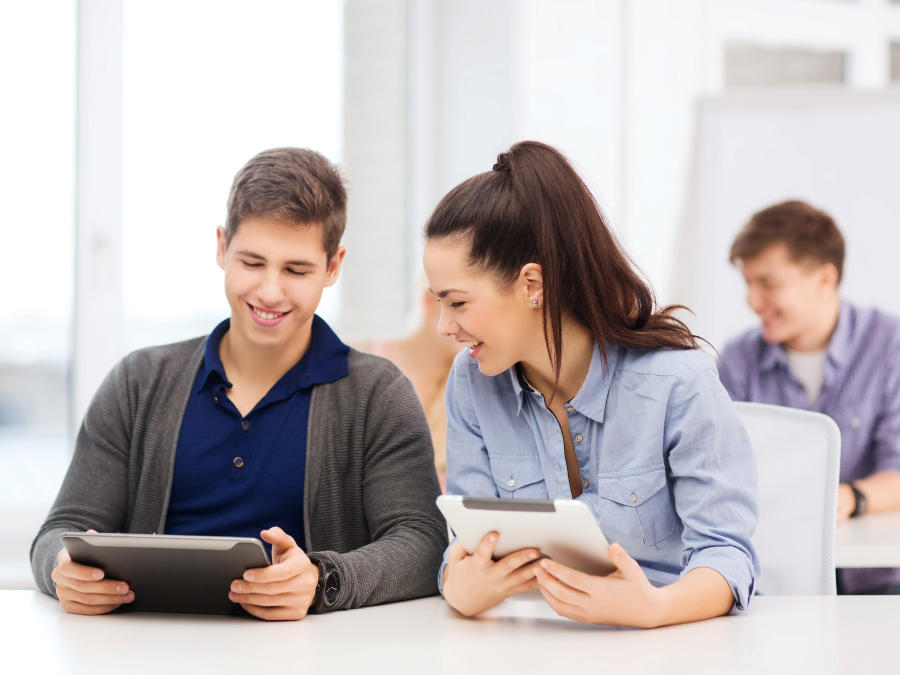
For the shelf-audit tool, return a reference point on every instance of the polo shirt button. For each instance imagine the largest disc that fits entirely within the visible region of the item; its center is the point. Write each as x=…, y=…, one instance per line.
x=238, y=462
x=215, y=399
x=245, y=425
x=632, y=498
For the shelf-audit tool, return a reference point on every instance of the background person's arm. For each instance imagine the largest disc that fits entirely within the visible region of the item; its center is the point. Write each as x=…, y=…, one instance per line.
x=881, y=490
x=882, y=487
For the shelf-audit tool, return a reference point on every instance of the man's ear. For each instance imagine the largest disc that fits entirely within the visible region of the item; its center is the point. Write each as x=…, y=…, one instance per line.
x=334, y=266
x=829, y=276
x=220, y=246
x=531, y=281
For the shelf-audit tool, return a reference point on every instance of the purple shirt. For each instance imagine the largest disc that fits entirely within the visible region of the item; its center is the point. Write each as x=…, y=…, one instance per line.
x=860, y=391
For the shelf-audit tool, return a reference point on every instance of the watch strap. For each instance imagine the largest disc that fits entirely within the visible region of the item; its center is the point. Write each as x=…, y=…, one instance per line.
x=328, y=586
x=861, y=504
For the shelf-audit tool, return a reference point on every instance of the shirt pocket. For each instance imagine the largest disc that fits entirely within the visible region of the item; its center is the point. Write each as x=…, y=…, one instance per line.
x=518, y=477
x=636, y=509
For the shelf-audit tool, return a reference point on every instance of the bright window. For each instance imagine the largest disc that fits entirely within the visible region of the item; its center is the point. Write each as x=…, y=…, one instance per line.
x=207, y=85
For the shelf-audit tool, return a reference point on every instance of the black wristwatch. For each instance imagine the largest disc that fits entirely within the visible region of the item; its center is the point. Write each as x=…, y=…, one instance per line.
x=862, y=504
x=329, y=586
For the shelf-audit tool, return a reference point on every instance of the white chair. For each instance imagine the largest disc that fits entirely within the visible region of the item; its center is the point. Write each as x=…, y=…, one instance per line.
x=798, y=461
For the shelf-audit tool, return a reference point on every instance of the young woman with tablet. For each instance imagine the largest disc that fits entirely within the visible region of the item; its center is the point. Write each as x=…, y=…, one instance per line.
x=574, y=385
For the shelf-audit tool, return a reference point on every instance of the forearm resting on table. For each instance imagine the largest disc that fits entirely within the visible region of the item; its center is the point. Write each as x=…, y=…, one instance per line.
x=882, y=490
x=700, y=594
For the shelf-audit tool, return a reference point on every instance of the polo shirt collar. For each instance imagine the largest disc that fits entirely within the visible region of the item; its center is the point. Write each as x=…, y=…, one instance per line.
x=212, y=372
x=325, y=361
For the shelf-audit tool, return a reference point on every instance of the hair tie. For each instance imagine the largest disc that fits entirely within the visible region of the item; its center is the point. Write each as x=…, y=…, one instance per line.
x=502, y=162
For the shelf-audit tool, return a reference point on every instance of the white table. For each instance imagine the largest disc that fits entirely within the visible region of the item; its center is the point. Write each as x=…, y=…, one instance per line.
x=869, y=541
x=821, y=635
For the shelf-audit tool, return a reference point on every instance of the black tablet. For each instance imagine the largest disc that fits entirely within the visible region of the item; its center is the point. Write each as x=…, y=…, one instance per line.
x=170, y=573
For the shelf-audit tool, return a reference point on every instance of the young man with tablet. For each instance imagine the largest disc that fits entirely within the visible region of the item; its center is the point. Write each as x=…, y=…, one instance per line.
x=815, y=351
x=268, y=427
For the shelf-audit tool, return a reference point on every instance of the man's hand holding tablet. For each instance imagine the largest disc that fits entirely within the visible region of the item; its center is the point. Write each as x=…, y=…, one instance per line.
x=81, y=589
x=286, y=589
x=98, y=573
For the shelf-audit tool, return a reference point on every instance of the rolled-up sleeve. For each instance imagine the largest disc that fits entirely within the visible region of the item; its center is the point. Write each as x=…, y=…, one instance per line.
x=713, y=481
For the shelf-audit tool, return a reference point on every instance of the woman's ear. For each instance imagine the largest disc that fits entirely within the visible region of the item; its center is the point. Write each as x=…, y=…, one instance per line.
x=531, y=281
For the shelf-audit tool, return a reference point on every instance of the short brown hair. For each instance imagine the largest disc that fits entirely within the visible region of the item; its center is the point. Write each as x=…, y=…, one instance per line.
x=808, y=233
x=291, y=184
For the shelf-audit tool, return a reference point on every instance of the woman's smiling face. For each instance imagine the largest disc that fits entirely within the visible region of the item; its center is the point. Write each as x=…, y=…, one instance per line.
x=496, y=321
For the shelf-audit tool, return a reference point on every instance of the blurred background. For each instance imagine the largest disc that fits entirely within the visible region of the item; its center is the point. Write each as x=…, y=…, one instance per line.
x=123, y=121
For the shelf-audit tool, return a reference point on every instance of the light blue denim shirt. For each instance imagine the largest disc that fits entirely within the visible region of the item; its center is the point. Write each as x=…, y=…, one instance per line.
x=667, y=467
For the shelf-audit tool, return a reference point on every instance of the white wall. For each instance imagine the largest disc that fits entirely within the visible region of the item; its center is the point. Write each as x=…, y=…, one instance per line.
x=836, y=149
x=613, y=83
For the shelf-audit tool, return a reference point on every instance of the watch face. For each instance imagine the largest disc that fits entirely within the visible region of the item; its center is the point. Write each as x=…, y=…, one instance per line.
x=332, y=587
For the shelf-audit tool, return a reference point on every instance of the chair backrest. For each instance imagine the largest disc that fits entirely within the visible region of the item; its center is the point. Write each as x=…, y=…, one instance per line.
x=798, y=463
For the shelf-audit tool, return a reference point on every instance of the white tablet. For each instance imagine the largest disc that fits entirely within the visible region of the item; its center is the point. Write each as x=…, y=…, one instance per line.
x=562, y=529
x=170, y=573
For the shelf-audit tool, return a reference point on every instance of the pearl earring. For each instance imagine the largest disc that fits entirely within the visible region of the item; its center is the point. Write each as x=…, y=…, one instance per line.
x=534, y=303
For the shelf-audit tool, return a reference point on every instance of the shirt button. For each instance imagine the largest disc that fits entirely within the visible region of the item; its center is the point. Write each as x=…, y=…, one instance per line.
x=245, y=425
x=238, y=462
x=632, y=498
x=569, y=408
x=587, y=484
x=511, y=483
x=578, y=438
x=215, y=399
x=855, y=422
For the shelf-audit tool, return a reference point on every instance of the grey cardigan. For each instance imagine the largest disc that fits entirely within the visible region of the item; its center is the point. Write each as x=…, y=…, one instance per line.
x=369, y=491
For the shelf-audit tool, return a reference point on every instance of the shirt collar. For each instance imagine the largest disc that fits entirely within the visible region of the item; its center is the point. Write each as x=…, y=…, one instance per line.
x=840, y=343
x=520, y=385
x=773, y=356
x=590, y=400
x=325, y=361
x=212, y=372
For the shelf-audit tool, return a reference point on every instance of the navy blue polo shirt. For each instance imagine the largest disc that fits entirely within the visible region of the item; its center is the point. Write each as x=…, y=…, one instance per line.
x=234, y=475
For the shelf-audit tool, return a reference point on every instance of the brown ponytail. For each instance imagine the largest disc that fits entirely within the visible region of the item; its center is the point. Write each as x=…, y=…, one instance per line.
x=533, y=207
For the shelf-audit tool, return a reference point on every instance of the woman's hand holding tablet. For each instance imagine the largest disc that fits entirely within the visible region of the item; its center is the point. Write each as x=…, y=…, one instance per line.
x=623, y=597
x=474, y=583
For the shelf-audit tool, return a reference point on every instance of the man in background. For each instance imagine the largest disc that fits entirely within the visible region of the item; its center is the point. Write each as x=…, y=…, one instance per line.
x=815, y=351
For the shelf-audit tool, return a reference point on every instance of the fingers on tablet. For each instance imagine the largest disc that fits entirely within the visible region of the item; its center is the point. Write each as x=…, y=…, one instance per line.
x=486, y=546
